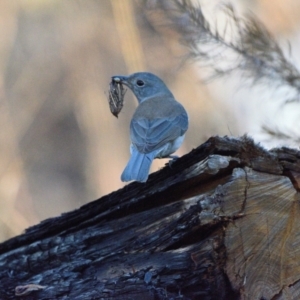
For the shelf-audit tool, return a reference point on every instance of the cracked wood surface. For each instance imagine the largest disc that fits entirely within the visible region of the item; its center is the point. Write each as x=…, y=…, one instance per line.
x=220, y=223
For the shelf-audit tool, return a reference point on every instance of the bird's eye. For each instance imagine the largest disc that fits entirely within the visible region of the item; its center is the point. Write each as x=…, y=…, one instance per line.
x=140, y=82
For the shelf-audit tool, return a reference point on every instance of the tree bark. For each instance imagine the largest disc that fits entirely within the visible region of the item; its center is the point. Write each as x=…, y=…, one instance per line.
x=221, y=222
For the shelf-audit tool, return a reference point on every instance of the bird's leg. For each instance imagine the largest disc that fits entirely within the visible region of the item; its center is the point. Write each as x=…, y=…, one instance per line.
x=173, y=158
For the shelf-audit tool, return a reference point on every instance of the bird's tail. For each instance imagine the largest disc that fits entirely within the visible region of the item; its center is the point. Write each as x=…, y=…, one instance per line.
x=138, y=166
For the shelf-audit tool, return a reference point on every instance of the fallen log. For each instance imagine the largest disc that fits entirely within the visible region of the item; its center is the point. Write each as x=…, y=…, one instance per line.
x=221, y=222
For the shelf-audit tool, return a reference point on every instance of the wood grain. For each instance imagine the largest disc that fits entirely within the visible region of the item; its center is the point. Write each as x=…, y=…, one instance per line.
x=219, y=223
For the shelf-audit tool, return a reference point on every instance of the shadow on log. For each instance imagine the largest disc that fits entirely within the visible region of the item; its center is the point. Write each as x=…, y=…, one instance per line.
x=221, y=223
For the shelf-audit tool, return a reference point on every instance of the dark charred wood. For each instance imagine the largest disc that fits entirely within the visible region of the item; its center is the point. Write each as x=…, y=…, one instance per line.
x=220, y=223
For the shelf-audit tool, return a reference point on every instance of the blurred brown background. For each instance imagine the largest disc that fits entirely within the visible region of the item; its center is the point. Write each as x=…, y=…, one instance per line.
x=60, y=146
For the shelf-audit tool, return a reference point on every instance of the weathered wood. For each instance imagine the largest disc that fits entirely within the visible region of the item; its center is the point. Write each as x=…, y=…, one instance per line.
x=219, y=223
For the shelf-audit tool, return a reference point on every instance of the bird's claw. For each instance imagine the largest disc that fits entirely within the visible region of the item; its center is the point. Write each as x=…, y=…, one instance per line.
x=172, y=160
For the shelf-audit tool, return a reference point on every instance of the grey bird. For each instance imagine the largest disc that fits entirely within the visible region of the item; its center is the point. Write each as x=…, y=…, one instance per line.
x=157, y=127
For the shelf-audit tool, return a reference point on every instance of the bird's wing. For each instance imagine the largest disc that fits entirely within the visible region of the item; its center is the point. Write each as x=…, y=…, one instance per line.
x=150, y=135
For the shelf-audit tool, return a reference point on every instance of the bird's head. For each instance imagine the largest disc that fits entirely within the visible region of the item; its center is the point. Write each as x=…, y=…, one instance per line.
x=144, y=85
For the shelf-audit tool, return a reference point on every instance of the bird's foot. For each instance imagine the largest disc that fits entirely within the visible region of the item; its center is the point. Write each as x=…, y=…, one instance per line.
x=172, y=160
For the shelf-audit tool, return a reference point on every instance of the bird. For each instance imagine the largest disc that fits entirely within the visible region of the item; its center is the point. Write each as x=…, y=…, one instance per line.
x=158, y=126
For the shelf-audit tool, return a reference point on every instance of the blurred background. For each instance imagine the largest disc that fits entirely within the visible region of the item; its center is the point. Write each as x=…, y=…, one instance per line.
x=60, y=146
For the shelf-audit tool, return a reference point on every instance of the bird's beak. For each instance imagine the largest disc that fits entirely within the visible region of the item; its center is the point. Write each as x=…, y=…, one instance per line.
x=120, y=79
